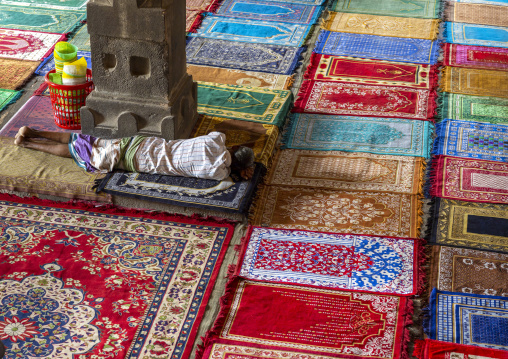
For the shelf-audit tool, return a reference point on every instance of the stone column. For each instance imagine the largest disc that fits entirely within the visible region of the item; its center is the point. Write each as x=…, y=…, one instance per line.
x=139, y=70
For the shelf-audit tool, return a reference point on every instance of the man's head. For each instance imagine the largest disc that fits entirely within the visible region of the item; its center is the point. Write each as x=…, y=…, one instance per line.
x=242, y=158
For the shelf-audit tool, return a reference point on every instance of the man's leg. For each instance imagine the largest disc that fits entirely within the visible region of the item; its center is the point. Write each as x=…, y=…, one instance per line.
x=27, y=132
x=55, y=148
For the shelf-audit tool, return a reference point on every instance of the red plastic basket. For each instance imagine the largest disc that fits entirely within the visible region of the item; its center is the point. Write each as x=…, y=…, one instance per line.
x=67, y=100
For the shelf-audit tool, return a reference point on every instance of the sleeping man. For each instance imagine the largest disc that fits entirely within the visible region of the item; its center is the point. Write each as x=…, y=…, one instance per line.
x=202, y=157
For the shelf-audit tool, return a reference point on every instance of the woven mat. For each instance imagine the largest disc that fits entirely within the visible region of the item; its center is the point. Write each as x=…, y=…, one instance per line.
x=470, y=319
x=261, y=138
x=434, y=349
x=473, y=108
x=105, y=282
x=49, y=63
x=427, y=9
x=334, y=98
x=8, y=97
x=480, y=57
x=476, y=13
x=244, y=103
x=243, y=56
x=347, y=171
x=418, y=51
x=14, y=73
x=322, y=326
x=252, y=31
x=386, y=136
x=81, y=39
x=382, y=25
x=469, y=179
x=469, y=271
x=470, y=225
x=287, y=12
x=475, y=82
x=382, y=214
x=471, y=139
x=474, y=34
x=238, y=77
x=42, y=173
x=27, y=45
x=40, y=19
x=348, y=262
x=374, y=72
x=50, y=4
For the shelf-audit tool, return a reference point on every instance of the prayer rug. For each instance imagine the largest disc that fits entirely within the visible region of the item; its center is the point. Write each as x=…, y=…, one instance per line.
x=40, y=19
x=418, y=51
x=313, y=320
x=347, y=171
x=50, y=4
x=252, y=31
x=81, y=281
x=470, y=225
x=27, y=45
x=487, y=2
x=381, y=214
x=476, y=14
x=382, y=25
x=261, y=138
x=8, y=97
x=434, y=349
x=470, y=179
x=238, y=77
x=469, y=271
x=274, y=59
x=81, y=39
x=267, y=10
x=480, y=57
x=470, y=139
x=474, y=34
x=42, y=173
x=193, y=20
x=335, y=261
x=473, y=108
x=306, y=2
x=353, y=99
x=37, y=113
x=474, y=81
x=470, y=319
x=374, y=72
x=386, y=136
x=194, y=12
x=14, y=73
x=427, y=9
x=244, y=103
x=242, y=351
x=230, y=195
x=49, y=63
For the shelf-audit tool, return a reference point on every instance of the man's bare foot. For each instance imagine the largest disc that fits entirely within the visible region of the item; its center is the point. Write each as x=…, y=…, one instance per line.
x=20, y=140
x=26, y=132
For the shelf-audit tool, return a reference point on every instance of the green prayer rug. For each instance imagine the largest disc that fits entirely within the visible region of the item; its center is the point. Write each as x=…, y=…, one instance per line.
x=40, y=19
x=426, y=9
x=473, y=108
x=244, y=103
x=81, y=39
x=7, y=97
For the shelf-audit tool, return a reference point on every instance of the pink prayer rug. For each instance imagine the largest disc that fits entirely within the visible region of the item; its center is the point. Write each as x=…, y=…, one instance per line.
x=27, y=45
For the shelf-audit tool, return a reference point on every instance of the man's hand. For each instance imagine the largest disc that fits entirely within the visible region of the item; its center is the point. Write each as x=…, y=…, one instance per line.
x=247, y=173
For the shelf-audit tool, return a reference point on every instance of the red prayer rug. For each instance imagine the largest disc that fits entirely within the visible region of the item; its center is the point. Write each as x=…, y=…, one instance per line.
x=368, y=71
x=78, y=281
x=236, y=351
x=469, y=179
x=335, y=98
x=27, y=45
x=320, y=321
x=480, y=57
x=434, y=349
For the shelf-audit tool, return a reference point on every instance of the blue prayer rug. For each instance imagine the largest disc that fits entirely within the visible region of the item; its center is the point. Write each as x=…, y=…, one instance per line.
x=475, y=34
x=462, y=318
x=470, y=139
x=306, y=2
x=49, y=63
x=385, y=136
x=252, y=31
x=378, y=47
x=270, y=11
x=274, y=59
x=231, y=195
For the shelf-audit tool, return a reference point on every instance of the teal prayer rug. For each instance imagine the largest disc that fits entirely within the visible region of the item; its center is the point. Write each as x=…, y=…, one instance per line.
x=50, y=4
x=473, y=108
x=474, y=34
x=81, y=39
x=470, y=139
x=252, y=31
x=270, y=11
x=426, y=9
x=40, y=19
x=386, y=136
x=7, y=97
